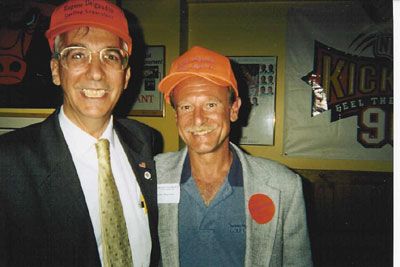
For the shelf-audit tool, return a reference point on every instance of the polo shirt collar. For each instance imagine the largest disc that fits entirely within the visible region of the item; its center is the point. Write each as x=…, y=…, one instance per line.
x=235, y=175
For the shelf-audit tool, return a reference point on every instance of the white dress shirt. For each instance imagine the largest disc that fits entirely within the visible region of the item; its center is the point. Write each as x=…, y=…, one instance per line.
x=83, y=150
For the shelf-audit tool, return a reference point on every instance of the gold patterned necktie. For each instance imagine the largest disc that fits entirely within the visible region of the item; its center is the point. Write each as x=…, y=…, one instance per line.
x=114, y=234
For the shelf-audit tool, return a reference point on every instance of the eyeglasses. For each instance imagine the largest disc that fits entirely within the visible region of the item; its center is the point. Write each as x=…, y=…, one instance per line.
x=79, y=58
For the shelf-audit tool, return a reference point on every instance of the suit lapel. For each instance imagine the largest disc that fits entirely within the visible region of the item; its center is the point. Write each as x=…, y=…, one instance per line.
x=170, y=167
x=259, y=237
x=139, y=157
x=60, y=189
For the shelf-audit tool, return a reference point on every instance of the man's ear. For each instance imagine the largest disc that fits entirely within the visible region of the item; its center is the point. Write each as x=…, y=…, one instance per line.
x=234, y=112
x=55, y=71
x=127, y=77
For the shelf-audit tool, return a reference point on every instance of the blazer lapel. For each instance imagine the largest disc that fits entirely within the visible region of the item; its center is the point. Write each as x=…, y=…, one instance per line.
x=260, y=238
x=65, y=204
x=140, y=158
x=171, y=170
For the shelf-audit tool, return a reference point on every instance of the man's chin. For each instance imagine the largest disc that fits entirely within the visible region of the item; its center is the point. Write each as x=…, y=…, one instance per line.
x=203, y=149
x=199, y=149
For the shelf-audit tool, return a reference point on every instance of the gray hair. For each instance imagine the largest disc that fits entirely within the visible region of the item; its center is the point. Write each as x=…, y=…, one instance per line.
x=59, y=41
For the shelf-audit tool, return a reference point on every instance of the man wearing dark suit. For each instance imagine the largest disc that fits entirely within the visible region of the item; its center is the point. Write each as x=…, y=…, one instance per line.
x=51, y=193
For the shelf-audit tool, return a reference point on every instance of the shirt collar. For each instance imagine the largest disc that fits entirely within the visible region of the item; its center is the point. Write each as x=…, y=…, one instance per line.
x=78, y=140
x=235, y=176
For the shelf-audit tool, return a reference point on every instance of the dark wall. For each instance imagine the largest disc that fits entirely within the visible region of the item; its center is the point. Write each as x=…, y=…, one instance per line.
x=350, y=217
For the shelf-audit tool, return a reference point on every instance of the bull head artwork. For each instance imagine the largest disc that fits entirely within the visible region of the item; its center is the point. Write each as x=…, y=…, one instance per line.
x=13, y=47
x=24, y=55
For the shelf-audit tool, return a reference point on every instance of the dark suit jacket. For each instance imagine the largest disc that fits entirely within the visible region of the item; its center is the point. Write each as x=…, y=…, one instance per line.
x=44, y=220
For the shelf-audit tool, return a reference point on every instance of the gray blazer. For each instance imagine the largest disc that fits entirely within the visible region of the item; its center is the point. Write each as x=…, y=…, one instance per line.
x=283, y=241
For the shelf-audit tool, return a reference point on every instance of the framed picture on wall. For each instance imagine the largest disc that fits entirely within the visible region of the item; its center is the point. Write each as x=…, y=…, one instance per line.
x=150, y=101
x=259, y=76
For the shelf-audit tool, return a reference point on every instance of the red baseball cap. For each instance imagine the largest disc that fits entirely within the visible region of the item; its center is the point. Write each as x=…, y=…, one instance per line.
x=91, y=13
x=201, y=62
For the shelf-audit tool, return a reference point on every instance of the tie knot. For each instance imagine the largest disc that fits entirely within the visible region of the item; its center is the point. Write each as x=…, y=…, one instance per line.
x=103, y=149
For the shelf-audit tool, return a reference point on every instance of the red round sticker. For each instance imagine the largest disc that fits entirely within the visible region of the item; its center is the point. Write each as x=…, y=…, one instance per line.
x=261, y=208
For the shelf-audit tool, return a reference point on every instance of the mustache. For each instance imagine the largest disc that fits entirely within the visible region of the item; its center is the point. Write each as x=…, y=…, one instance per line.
x=201, y=128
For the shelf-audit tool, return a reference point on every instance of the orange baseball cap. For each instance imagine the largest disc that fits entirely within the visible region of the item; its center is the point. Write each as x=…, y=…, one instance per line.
x=93, y=13
x=201, y=62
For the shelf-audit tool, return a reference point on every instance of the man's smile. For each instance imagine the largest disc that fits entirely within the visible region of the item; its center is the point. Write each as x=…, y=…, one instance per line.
x=94, y=93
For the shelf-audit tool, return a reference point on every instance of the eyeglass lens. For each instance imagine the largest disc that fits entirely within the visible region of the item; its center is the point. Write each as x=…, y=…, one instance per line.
x=80, y=57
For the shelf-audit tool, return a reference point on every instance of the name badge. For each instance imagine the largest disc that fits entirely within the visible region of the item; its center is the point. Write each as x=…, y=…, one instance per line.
x=168, y=193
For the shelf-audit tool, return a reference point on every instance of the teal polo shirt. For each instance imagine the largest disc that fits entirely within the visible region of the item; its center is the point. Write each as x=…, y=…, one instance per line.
x=213, y=235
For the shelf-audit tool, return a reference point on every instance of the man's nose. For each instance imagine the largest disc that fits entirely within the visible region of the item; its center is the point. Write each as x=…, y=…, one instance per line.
x=95, y=68
x=199, y=116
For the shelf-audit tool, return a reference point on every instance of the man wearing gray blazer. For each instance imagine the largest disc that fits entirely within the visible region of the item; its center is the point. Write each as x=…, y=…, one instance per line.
x=217, y=205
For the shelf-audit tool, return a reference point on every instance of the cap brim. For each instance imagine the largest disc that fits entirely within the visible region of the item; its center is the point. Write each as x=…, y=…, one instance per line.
x=171, y=81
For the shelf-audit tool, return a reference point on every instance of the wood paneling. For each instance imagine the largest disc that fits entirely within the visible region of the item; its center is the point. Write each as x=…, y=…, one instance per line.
x=350, y=217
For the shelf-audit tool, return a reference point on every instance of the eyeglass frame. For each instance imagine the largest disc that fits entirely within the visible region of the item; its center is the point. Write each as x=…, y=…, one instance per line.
x=59, y=55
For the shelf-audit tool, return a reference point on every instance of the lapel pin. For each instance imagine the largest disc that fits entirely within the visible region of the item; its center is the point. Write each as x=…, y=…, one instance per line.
x=142, y=165
x=147, y=175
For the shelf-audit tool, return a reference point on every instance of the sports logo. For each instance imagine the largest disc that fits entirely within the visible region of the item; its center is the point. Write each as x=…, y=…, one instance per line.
x=352, y=85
